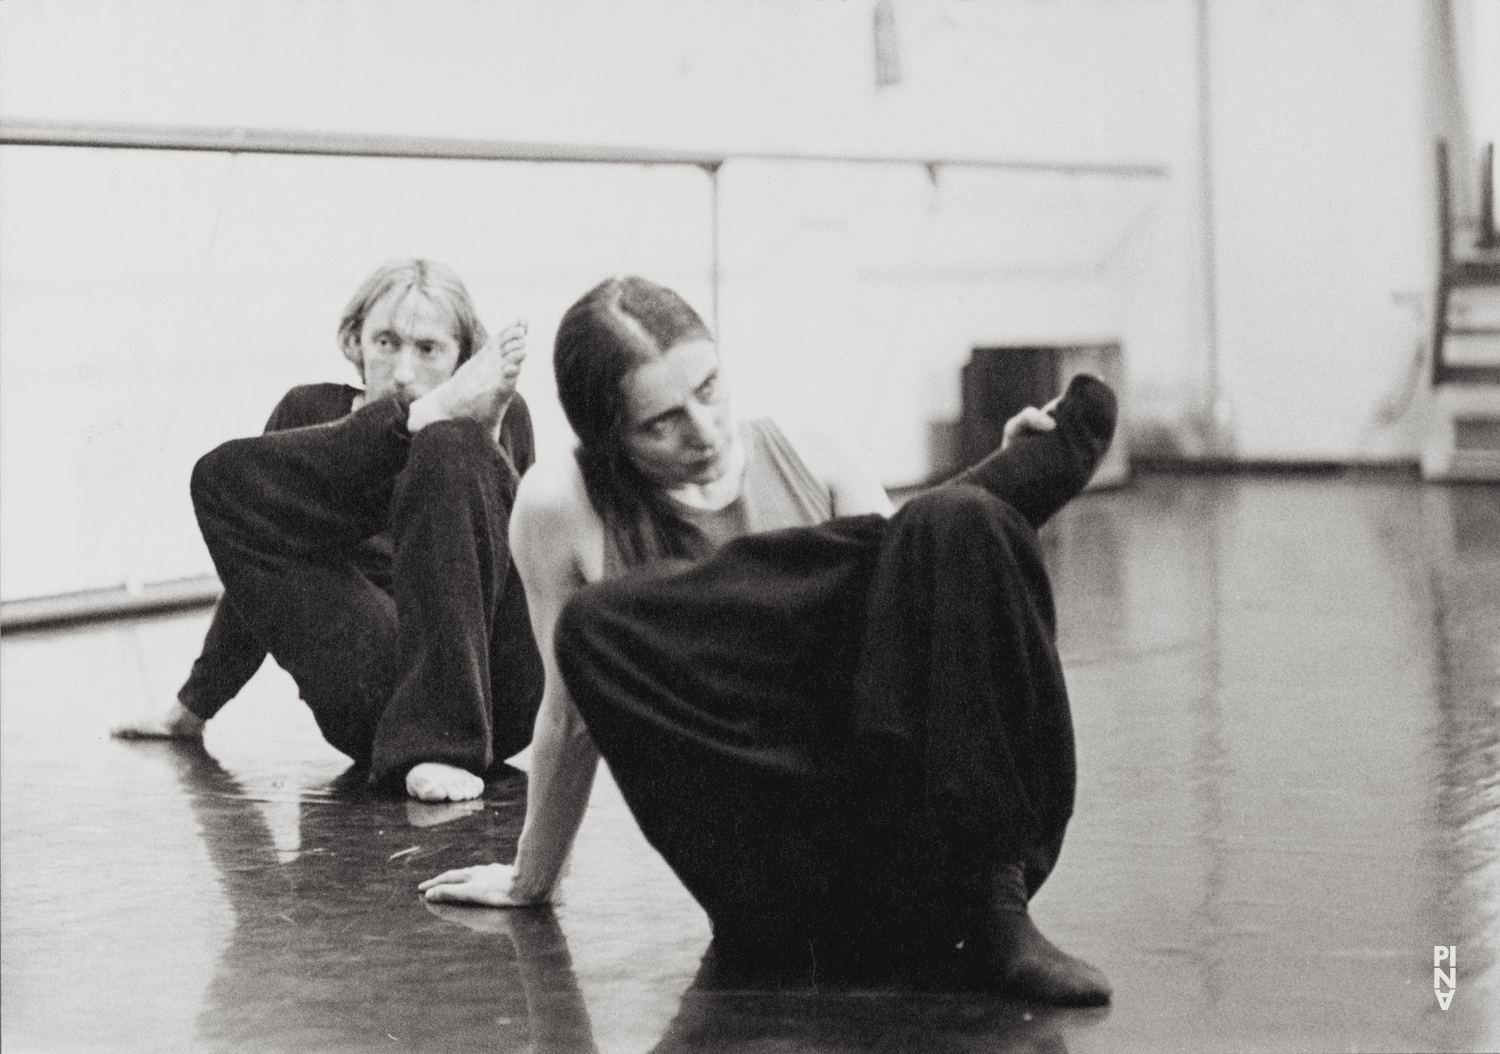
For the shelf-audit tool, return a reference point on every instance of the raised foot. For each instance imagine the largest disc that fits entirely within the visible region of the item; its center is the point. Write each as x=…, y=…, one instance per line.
x=1019, y=961
x=435, y=781
x=176, y=723
x=481, y=389
x=1040, y=471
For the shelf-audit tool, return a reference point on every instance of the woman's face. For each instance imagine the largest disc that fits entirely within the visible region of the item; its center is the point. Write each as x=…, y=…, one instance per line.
x=679, y=428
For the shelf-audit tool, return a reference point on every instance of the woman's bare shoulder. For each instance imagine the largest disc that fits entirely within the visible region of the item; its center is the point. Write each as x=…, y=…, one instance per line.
x=849, y=478
x=553, y=522
x=552, y=495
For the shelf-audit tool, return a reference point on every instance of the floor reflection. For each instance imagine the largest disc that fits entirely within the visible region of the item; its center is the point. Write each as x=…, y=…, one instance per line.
x=1287, y=696
x=327, y=951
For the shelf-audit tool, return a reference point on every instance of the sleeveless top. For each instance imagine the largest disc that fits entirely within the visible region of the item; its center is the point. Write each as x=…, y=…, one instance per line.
x=779, y=490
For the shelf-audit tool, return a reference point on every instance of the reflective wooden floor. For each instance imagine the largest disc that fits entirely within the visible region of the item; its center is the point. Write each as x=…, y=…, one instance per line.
x=1287, y=695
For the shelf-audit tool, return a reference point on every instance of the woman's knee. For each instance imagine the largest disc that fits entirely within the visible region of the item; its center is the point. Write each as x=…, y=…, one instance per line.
x=964, y=508
x=969, y=520
x=581, y=624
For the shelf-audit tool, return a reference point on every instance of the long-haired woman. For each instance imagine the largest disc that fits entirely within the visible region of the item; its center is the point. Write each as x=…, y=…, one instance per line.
x=845, y=729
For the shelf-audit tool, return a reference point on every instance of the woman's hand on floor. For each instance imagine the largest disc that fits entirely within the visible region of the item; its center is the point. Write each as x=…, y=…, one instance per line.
x=488, y=885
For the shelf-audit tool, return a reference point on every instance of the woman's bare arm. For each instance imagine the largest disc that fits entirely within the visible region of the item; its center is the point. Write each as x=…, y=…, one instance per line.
x=855, y=488
x=557, y=543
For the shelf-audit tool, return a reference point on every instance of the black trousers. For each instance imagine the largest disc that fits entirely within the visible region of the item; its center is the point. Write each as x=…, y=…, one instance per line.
x=442, y=666
x=825, y=731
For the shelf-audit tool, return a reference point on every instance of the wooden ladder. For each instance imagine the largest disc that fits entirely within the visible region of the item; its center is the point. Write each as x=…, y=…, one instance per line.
x=1463, y=431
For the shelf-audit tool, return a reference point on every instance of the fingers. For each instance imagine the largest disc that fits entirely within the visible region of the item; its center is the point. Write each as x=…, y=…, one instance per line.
x=468, y=891
x=458, y=874
x=1028, y=420
x=1035, y=420
x=465, y=893
x=485, y=884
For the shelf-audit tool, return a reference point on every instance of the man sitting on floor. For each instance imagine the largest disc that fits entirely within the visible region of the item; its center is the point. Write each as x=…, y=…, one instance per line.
x=362, y=543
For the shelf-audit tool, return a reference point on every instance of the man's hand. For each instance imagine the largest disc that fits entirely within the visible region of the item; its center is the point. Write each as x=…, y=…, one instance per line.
x=480, y=389
x=434, y=781
x=177, y=723
x=488, y=885
x=1029, y=420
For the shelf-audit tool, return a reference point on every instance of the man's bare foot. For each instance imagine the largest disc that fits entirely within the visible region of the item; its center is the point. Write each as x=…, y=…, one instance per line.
x=480, y=389
x=434, y=781
x=176, y=723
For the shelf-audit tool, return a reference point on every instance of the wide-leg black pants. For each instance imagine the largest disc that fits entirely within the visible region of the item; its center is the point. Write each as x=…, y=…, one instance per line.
x=443, y=667
x=822, y=730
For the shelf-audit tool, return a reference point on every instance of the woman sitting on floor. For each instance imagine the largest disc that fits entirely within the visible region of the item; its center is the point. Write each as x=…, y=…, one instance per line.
x=846, y=730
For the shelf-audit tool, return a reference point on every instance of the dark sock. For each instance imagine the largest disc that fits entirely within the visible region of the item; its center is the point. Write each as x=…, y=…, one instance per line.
x=1011, y=955
x=1040, y=472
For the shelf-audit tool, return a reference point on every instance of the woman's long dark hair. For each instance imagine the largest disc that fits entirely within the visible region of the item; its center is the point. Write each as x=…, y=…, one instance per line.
x=618, y=326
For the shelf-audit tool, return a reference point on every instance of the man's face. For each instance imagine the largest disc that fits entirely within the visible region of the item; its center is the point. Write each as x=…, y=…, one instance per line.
x=408, y=345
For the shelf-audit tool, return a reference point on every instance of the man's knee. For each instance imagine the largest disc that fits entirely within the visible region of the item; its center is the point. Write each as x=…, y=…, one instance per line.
x=214, y=478
x=454, y=453
x=454, y=437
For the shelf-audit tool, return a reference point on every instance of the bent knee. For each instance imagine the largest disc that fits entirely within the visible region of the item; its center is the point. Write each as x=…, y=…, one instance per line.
x=447, y=438
x=968, y=519
x=963, y=506
x=580, y=625
x=453, y=450
x=216, y=474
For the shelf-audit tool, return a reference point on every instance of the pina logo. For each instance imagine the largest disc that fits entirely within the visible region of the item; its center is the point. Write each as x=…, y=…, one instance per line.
x=1441, y=977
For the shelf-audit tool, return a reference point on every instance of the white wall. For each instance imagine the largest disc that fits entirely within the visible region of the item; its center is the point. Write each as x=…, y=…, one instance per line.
x=1323, y=223
x=165, y=300
x=195, y=289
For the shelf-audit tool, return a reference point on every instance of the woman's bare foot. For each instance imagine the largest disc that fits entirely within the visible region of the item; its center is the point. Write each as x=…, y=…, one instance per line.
x=177, y=723
x=434, y=781
x=480, y=389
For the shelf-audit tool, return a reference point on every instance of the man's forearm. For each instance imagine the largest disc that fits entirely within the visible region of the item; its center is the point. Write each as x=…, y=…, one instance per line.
x=231, y=655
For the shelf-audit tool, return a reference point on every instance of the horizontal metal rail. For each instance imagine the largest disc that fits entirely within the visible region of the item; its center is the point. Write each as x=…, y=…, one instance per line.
x=94, y=605
x=16, y=132
x=50, y=612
